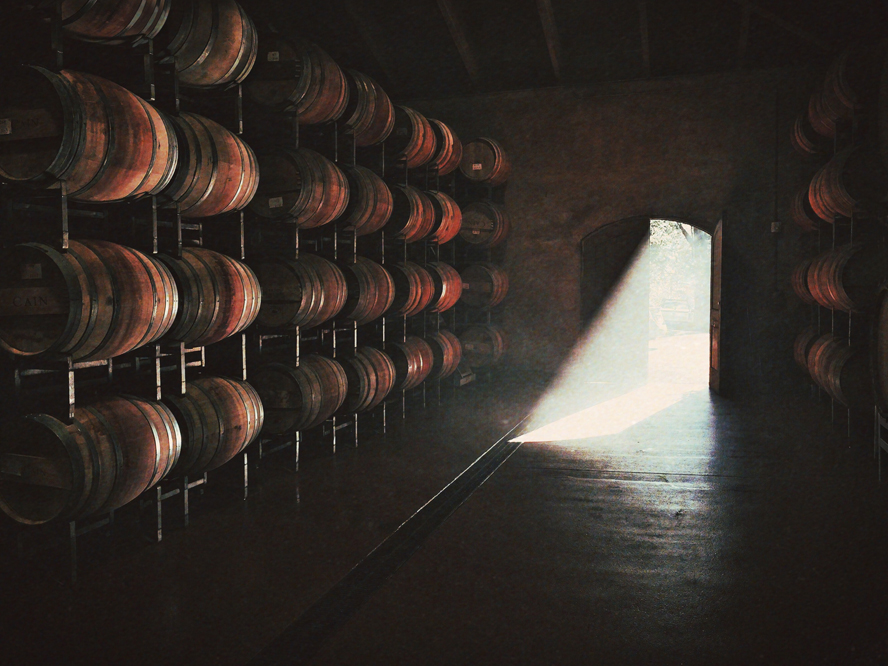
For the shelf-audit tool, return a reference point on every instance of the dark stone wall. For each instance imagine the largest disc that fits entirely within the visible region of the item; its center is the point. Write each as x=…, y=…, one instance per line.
x=690, y=149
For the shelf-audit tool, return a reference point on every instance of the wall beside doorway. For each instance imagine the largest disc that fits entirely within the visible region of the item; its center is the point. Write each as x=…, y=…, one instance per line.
x=684, y=148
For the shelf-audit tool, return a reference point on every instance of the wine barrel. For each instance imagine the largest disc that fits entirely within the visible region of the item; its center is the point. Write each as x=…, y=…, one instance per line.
x=104, y=142
x=371, y=291
x=483, y=345
x=413, y=214
x=802, y=346
x=485, y=285
x=448, y=286
x=842, y=371
x=854, y=176
x=802, y=213
x=371, y=377
x=413, y=360
x=113, y=451
x=850, y=84
x=218, y=418
x=213, y=43
x=847, y=277
x=412, y=141
x=485, y=161
x=414, y=288
x=448, y=150
x=370, y=202
x=302, y=186
x=484, y=224
x=300, y=397
x=113, y=21
x=305, y=292
x=218, y=296
x=370, y=113
x=95, y=301
x=446, y=354
x=217, y=172
x=448, y=217
x=805, y=139
x=299, y=78
x=799, y=281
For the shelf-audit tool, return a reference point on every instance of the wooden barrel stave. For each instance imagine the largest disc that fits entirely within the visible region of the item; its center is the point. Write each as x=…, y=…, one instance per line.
x=412, y=142
x=370, y=202
x=485, y=161
x=448, y=286
x=371, y=377
x=218, y=296
x=845, y=278
x=371, y=291
x=306, y=292
x=483, y=345
x=300, y=186
x=448, y=150
x=854, y=177
x=218, y=418
x=413, y=359
x=448, y=217
x=484, y=224
x=485, y=285
x=302, y=397
x=799, y=281
x=369, y=113
x=414, y=288
x=413, y=214
x=113, y=451
x=113, y=21
x=446, y=354
x=802, y=346
x=213, y=43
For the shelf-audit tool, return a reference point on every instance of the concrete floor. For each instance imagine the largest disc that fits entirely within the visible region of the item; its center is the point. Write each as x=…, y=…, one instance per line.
x=711, y=532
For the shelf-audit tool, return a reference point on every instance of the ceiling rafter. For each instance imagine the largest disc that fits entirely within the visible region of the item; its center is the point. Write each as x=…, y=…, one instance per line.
x=550, y=30
x=458, y=33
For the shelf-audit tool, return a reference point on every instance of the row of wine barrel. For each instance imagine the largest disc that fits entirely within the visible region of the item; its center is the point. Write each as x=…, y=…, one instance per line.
x=108, y=145
x=844, y=278
x=311, y=290
x=301, y=397
x=213, y=43
x=844, y=372
x=99, y=299
x=119, y=447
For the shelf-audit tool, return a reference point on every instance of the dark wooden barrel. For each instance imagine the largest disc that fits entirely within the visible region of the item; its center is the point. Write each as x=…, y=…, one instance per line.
x=371, y=377
x=485, y=285
x=300, y=398
x=371, y=291
x=413, y=360
x=412, y=142
x=300, y=186
x=805, y=139
x=448, y=148
x=298, y=77
x=802, y=213
x=413, y=214
x=370, y=202
x=483, y=345
x=842, y=371
x=414, y=288
x=448, y=217
x=113, y=21
x=851, y=83
x=95, y=301
x=485, y=161
x=448, y=286
x=484, y=224
x=802, y=346
x=370, y=113
x=217, y=172
x=847, y=277
x=855, y=176
x=218, y=418
x=212, y=42
x=218, y=296
x=799, y=280
x=113, y=451
x=104, y=142
x=305, y=292
x=446, y=353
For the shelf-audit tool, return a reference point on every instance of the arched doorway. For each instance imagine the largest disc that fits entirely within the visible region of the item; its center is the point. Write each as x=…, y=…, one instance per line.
x=611, y=251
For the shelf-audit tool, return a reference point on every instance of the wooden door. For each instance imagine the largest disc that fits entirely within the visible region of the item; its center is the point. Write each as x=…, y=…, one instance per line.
x=715, y=312
x=607, y=254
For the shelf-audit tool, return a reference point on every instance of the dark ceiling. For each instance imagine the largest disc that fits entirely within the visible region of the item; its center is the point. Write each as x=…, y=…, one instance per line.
x=441, y=48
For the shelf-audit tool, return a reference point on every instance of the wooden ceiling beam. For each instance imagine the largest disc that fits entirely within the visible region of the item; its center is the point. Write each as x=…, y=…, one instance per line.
x=550, y=30
x=372, y=36
x=790, y=27
x=458, y=33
